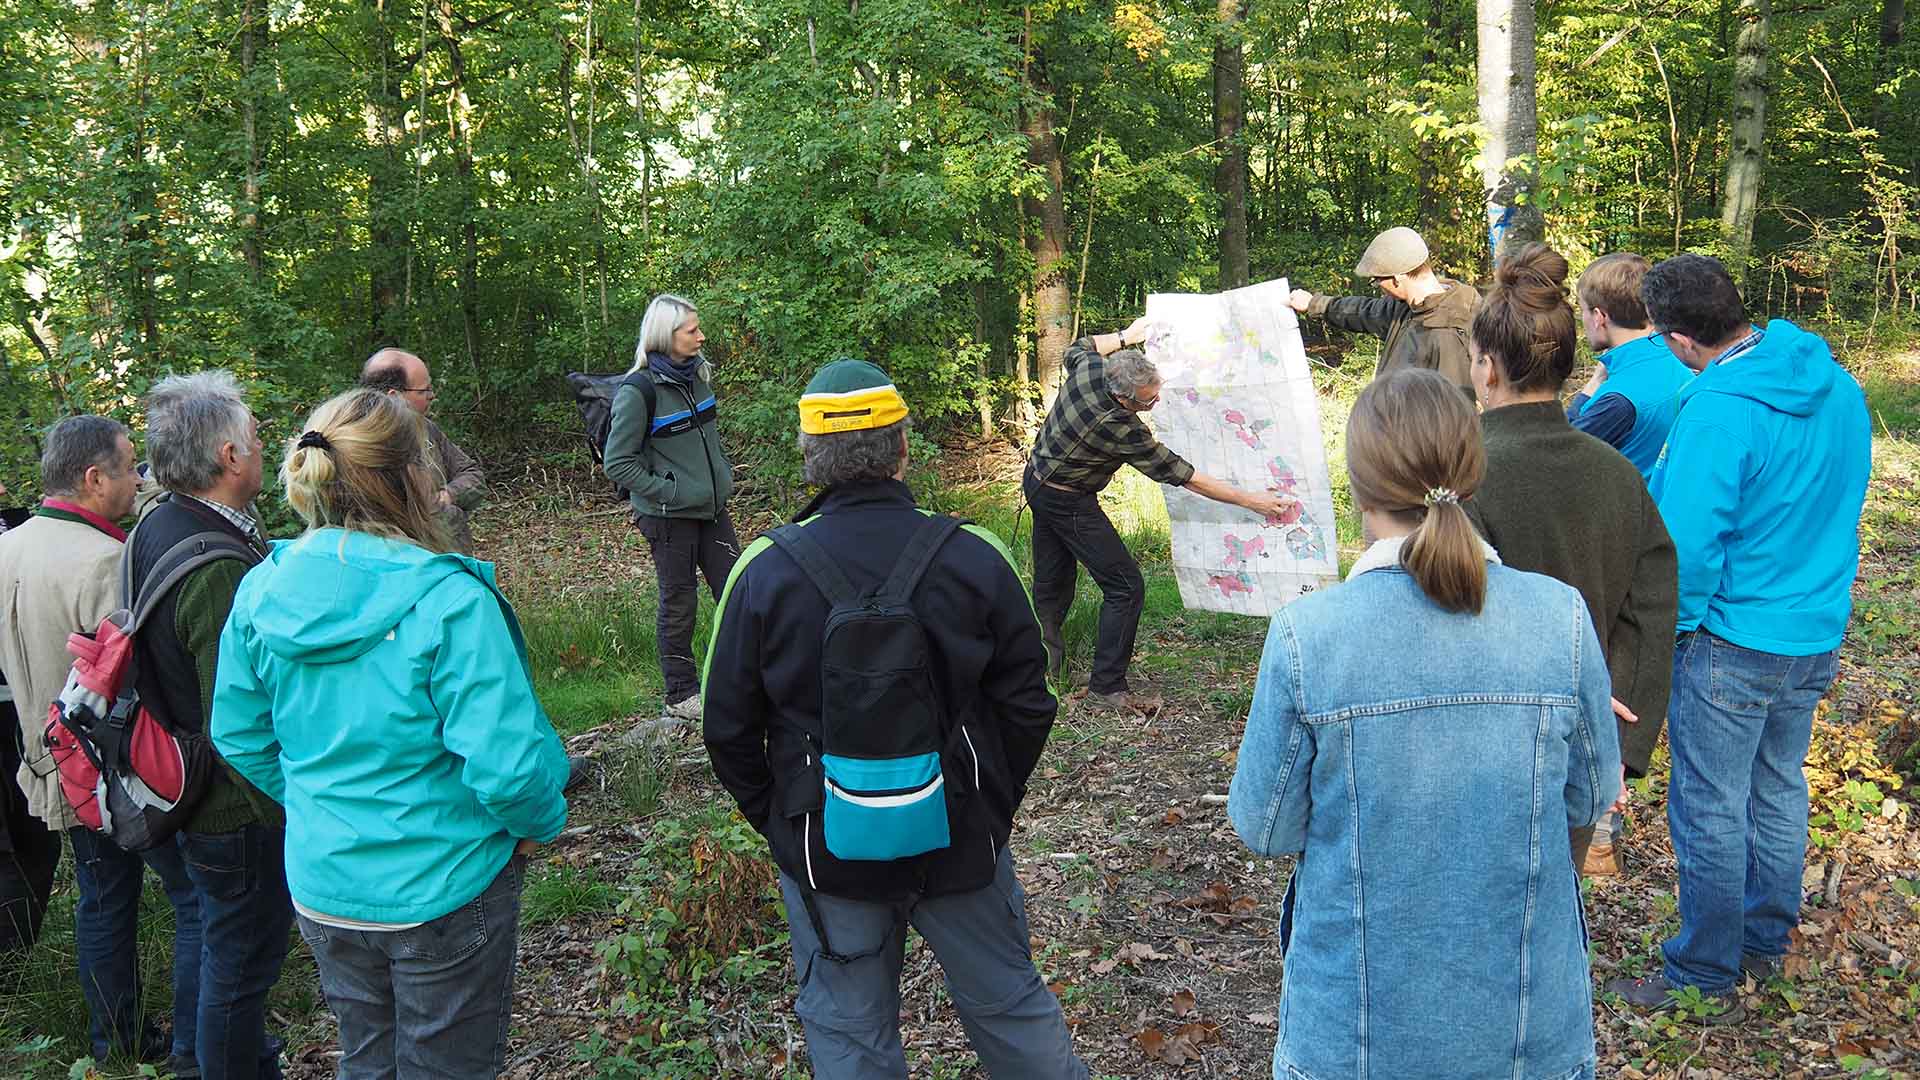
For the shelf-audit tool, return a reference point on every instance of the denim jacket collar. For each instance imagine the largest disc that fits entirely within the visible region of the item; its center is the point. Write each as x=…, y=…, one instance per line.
x=1386, y=553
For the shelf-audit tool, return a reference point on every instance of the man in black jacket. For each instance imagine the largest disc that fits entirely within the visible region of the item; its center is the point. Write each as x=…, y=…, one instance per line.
x=764, y=732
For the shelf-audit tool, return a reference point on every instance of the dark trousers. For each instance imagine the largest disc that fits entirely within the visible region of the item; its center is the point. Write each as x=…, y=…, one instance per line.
x=1069, y=529
x=29, y=851
x=684, y=550
x=245, y=913
x=430, y=1003
x=105, y=925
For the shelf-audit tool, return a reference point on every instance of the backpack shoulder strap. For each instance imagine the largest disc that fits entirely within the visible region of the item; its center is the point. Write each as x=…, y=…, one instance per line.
x=642, y=381
x=914, y=561
x=184, y=557
x=814, y=561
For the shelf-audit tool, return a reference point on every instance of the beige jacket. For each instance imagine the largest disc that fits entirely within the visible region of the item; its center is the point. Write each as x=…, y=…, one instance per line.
x=56, y=577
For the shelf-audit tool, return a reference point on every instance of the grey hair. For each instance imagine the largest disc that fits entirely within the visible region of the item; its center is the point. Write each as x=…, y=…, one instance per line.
x=1128, y=370
x=75, y=445
x=852, y=457
x=189, y=419
x=665, y=314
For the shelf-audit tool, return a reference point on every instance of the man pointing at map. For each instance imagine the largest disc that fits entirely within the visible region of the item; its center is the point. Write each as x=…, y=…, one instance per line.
x=1094, y=428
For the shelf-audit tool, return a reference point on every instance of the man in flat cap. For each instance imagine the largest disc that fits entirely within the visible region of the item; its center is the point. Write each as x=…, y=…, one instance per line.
x=876, y=701
x=1423, y=319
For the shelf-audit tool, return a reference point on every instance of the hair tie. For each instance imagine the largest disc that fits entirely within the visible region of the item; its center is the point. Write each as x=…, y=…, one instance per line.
x=312, y=439
x=1442, y=495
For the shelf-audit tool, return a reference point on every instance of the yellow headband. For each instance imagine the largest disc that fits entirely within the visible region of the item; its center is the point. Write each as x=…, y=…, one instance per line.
x=853, y=410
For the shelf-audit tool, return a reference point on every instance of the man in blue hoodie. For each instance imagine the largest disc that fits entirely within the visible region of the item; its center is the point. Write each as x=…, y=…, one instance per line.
x=1761, y=483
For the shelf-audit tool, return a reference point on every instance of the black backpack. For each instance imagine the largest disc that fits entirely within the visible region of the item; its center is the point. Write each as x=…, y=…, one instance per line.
x=593, y=396
x=882, y=721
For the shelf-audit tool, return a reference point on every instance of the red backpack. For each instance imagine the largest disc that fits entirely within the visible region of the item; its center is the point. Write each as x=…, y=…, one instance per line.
x=126, y=771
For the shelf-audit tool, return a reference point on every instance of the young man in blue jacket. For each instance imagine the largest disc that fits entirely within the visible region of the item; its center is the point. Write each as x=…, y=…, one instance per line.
x=776, y=744
x=1761, y=483
x=1634, y=394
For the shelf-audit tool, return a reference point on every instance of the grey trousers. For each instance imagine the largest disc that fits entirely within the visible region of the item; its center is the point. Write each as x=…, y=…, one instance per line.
x=850, y=1007
x=430, y=1003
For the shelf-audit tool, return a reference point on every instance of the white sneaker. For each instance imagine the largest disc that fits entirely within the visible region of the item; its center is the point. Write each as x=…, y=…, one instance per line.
x=687, y=708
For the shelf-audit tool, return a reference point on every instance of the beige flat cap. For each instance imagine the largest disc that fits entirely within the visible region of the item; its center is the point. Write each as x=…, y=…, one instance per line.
x=1399, y=250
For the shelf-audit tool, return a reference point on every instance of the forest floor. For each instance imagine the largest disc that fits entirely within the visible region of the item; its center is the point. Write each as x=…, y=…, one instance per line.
x=653, y=944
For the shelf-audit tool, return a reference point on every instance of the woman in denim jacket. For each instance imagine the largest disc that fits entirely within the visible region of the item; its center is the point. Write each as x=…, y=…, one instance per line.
x=1432, y=927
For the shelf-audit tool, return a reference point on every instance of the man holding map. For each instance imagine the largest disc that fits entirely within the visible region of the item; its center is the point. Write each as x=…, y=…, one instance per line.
x=1422, y=320
x=1094, y=428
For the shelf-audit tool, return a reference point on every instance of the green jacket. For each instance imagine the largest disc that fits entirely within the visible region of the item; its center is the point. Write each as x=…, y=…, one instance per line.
x=200, y=611
x=1560, y=502
x=1431, y=334
x=681, y=472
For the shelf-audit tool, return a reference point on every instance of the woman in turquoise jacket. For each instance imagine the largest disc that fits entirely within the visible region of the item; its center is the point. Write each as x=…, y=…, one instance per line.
x=377, y=686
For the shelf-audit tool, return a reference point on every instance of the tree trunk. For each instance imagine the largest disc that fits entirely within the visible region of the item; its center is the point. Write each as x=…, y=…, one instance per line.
x=252, y=40
x=386, y=184
x=589, y=176
x=1746, y=156
x=1229, y=116
x=1893, y=25
x=1047, y=231
x=1508, y=166
x=460, y=128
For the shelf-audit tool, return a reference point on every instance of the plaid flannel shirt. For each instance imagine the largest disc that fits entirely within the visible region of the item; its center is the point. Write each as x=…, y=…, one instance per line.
x=1089, y=435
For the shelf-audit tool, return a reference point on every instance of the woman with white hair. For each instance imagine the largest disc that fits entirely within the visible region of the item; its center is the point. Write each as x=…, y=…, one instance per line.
x=664, y=450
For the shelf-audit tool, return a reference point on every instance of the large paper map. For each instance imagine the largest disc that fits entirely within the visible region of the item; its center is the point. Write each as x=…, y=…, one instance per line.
x=1237, y=400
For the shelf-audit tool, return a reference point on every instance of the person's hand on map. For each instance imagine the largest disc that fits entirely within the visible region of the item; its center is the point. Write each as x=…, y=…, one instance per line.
x=1299, y=300
x=1138, y=331
x=1270, y=504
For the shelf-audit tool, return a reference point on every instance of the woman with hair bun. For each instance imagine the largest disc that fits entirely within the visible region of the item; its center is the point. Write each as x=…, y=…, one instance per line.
x=1560, y=502
x=1422, y=736
x=375, y=684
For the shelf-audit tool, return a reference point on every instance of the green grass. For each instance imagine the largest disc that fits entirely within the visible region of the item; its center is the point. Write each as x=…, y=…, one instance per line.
x=556, y=893
x=593, y=657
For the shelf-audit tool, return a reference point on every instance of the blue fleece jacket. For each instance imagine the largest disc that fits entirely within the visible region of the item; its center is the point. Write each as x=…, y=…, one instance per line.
x=1650, y=378
x=1761, y=484
x=380, y=693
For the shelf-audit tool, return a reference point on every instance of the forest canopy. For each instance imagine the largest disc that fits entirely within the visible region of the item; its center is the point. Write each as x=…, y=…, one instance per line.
x=949, y=189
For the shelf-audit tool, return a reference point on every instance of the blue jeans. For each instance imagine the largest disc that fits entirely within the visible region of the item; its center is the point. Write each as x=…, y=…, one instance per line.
x=245, y=911
x=105, y=927
x=1738, y=727
x=849, y=1000
x=431, y=1002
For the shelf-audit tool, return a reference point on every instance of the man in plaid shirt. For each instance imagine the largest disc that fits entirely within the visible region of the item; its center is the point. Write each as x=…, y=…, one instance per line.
x=1094, y=428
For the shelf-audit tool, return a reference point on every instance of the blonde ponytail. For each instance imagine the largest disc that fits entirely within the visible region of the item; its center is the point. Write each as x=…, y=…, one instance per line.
x=361, y=464
x=1413, y=450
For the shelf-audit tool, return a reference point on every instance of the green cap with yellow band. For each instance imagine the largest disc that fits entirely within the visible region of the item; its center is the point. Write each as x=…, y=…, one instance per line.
x=850, y=395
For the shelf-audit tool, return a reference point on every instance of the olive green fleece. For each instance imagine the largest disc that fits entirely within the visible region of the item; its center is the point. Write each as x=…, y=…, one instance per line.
x=200, y=614
x=676, y=476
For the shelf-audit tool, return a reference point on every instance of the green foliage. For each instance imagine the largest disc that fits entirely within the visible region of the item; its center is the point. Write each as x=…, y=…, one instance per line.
x=701, y=914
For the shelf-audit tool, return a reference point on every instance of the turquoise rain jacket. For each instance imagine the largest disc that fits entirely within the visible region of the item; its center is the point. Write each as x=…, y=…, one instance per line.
x=381, y=693
x=1761, y=484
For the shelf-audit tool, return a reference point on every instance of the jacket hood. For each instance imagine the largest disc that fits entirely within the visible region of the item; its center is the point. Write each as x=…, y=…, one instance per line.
x=333, y=594
x=1452, y=309
x=1788, y=371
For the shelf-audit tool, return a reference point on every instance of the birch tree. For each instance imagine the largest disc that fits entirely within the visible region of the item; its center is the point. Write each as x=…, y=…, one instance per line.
x=1508, y=163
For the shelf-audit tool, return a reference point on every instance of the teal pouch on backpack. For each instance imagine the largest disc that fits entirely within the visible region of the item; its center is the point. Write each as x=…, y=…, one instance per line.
x=882, y=723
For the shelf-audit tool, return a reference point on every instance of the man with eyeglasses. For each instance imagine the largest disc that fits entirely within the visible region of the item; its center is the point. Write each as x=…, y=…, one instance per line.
x=1421, y=322
x=463, y=486
x=1094, y=428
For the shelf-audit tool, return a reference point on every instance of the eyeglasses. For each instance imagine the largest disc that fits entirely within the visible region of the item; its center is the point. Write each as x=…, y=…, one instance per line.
x=1382, y=279
x=427, y=390
x=1144, y=403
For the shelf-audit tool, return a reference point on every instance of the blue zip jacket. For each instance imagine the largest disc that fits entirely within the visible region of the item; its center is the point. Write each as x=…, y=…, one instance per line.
x=1761, y=484
x=1647, y=374
x=381, y=694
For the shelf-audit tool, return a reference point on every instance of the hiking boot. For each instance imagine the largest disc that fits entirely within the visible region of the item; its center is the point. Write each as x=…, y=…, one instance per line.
x=1655, y=992
x=1602, y=860
x=181, y=1067
x=577, y=765
x=1762, y=968
x=1128, y=701
x=687, y=708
